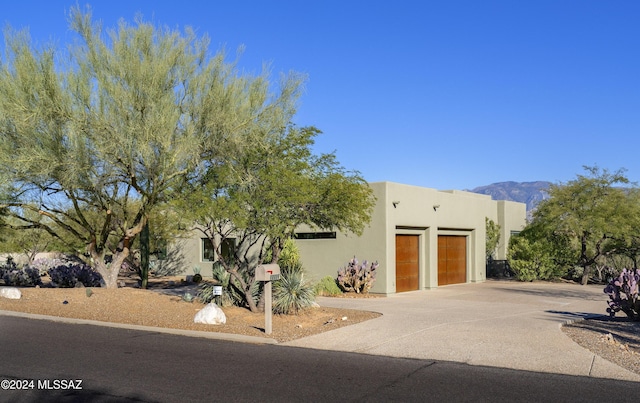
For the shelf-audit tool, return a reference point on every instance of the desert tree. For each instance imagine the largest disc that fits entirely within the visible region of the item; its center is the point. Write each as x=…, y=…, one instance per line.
x=116, y=120
x=593, y=211
x=258, y=196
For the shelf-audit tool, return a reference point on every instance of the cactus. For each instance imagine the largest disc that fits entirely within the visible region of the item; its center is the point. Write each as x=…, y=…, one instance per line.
x=358, y=278
x=623, y=294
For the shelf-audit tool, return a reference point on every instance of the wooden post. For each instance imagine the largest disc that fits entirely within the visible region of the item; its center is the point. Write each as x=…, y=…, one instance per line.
x=267, y=308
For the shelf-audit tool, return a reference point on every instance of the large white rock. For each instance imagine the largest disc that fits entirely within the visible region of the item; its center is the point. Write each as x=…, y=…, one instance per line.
x=211, y=314
x=10, y=292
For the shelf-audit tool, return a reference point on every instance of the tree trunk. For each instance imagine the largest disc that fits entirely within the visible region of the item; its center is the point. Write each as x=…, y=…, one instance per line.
x=586, y=270
x=584, y=260
x=109, y=272
x=245, y=289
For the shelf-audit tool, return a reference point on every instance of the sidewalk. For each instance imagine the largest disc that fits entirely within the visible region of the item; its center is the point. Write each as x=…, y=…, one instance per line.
x=501, y=324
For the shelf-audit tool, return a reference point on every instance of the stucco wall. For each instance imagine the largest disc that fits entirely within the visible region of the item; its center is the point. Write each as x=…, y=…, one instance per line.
x=401, y=209
x=426, y=212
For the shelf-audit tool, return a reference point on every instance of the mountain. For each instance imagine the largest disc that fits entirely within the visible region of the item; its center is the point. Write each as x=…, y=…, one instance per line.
x=530, y=193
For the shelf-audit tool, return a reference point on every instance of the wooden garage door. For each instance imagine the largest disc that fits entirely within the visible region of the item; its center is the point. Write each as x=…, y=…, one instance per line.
x=452, y=259
x=407, y=264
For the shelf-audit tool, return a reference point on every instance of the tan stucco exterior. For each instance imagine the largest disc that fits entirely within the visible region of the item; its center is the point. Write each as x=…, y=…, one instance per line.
x=405, y=209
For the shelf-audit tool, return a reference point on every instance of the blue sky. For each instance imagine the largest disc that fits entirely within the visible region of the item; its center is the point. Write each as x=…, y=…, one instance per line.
x=443, y=94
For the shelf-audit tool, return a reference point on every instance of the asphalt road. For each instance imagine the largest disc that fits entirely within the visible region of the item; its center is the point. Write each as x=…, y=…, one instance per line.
x=128, y=365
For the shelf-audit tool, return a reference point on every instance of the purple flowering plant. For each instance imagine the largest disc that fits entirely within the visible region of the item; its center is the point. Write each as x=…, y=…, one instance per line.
x=357, y=277
x=623, y=294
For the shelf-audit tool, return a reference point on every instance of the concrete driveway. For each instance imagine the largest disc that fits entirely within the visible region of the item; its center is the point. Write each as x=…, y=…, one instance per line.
x=497, y=323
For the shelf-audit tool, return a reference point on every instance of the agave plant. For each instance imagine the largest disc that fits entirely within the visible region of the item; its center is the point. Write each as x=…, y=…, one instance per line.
x=231, y=293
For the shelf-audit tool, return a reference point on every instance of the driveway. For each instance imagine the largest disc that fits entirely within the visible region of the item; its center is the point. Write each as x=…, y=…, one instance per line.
x=497, y=323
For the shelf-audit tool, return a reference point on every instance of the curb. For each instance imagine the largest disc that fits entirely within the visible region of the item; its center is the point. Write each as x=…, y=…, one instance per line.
x=178, y=332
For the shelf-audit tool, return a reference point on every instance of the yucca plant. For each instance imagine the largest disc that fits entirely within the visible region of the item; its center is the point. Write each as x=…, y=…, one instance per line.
x=292, y=293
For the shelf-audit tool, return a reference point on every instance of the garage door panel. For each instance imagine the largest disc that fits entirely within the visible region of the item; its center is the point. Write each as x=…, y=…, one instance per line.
x=452, y=259
x=407, y=263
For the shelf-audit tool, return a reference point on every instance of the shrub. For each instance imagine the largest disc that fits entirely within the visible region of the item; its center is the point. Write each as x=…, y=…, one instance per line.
x=358, y=278
x=289, y=258
x=70, y=274
x=25, y=277
x=292, y=294
x=44, y=264
x=327, y=286
x=231, y=291
x=623, y=294
x=530, y=260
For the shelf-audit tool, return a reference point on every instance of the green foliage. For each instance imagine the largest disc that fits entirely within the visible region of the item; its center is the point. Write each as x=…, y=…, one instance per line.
x=259, y=195
x=356, y=277
x=289, y=258
x=529, y=259
x=292, y=293
x=232, y=293
x=116, y=126
x=581, y=222
x=492, y=237
x=537, y=253
x=327, y=286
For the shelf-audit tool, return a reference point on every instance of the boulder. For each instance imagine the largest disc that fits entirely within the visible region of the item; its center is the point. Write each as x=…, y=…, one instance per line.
x=10, y=292
x=211, y=314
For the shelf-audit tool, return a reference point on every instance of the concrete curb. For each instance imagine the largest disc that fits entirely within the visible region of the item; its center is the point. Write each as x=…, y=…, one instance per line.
x=178, y=332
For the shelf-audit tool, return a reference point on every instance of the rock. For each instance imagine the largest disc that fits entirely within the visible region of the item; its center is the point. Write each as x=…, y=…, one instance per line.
x=10, y=292
x=211, y=314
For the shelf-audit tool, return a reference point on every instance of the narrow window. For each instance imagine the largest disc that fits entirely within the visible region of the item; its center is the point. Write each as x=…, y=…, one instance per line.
x=315, y=235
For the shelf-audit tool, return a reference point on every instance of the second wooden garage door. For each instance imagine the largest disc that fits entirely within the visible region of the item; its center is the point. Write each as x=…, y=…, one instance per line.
x=452, y=259
x=407, y=263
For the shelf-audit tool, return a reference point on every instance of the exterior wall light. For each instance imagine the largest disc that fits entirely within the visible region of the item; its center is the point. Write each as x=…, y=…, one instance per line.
x=395, y=203
x=436, y=207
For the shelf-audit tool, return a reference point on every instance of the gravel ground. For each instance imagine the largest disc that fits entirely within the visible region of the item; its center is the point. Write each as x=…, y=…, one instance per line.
x=614, y=339
x=165, y=308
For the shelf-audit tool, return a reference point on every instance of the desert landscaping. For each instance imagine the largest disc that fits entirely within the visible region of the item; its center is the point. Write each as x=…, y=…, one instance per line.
x=162, y=306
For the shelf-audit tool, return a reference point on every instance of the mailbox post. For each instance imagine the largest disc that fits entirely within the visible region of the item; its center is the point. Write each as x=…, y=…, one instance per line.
x=267, y=273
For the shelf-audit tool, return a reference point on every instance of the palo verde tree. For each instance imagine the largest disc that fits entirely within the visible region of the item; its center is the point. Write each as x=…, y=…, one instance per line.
x=591, y=211
x=260, y=193
x=115, y=122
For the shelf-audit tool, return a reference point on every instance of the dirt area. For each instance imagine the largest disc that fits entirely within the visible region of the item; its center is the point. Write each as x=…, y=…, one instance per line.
x=162, y=306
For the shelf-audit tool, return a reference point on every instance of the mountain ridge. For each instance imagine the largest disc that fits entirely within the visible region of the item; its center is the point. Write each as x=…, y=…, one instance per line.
x=529, y=193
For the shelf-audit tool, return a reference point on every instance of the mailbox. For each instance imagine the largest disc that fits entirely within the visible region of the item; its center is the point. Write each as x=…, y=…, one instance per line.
x=268, y=272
